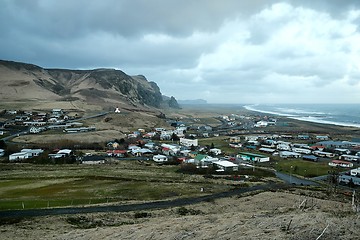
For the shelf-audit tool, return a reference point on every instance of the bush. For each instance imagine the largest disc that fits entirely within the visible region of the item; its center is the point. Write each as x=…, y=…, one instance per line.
x=141, y=215
x=183, y=211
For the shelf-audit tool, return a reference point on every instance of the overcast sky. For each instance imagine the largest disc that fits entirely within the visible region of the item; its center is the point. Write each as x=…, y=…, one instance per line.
x=223, y=51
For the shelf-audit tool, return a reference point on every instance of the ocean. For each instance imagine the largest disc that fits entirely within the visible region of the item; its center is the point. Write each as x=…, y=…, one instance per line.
x=337, y=114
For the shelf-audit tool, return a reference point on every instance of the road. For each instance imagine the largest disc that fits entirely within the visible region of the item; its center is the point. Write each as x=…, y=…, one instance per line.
x=294, y=180
x=136, y=207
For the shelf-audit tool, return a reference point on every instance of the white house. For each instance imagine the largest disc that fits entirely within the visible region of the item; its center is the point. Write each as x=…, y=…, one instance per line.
x=353, y=158
x=224, y=165
x=189, y=142
x=160, y=158
x=324, y=154
x=283, y=146
x=288, y=154
x=235, y=139
x=215, y=151
x=355, y=172
x=64, y=152
x=32, y=152
x=339, y=163
x=301, y=150
x=18, y=156
x=261, y=124
x=140, y=152
x=2, y=152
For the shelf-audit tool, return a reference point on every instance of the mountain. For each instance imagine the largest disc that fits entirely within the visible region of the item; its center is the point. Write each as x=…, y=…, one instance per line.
x=103, y=87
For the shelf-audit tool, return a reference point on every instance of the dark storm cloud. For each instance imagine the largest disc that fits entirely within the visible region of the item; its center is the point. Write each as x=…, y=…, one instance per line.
x=219, y=48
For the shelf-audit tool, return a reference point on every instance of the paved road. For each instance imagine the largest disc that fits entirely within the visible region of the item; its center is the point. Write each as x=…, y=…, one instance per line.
x=294, y=180
x=136, y=207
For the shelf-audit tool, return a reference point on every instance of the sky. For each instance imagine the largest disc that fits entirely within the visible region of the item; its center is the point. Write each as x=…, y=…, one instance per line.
x=228, y=51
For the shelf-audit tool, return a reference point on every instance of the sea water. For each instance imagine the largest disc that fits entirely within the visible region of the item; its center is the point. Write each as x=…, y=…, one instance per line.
x=337, y=114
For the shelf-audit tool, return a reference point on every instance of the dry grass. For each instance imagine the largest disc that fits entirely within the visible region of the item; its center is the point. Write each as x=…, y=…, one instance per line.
x=267, y=215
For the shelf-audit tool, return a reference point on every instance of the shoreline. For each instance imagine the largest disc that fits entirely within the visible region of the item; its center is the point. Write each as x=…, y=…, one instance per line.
x=302, y=118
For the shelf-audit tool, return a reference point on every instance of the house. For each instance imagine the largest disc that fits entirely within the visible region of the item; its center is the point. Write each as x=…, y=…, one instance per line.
x=301, y=150
x=65, y=152
x=289, y=154
x=32, y=152
x=342, y=151
x=36, y=130
x=2, y=152
x=118, y=153
x=284, y=147
x=267, y=150
x=204, y=161
x=232, y=145
x=355, y=172
x=185, y=153
x=235, y=139
x=189, y=142
x=346, y=179
x=18, y=156
x=334, y=144
x=352, y=158
x=150, y=145
x=323, y=154
x=215, y=151
x=57, y=112
x=165, y=136
x=322, y=137
x=140, y=152
x=317, y=147
x=170, y=149
x=339, y=163
x=94, y=159
x=160, y=158
x=78, y=130
x=303, y=137
x=225, y=166
x=261, y=124
x=113, y=145
x=133, y=148
x=253, y=157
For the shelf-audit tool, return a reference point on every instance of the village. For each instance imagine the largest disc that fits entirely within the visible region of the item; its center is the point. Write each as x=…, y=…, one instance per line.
x=238, y=142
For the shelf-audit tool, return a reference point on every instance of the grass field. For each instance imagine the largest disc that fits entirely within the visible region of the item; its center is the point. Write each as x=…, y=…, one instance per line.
x=301, y=167
x=38, y=186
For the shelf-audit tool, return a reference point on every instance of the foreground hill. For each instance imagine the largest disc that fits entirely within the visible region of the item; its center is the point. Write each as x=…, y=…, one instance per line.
x=267, y=215
x=21, y=82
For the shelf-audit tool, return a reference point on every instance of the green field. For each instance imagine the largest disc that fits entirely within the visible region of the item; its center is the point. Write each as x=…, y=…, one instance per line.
x=38, y=186
x=301, y=167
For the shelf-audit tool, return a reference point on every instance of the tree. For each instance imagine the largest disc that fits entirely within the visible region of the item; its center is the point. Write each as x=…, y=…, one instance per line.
x=175, y=137
x=3, y=144
x=351, y=183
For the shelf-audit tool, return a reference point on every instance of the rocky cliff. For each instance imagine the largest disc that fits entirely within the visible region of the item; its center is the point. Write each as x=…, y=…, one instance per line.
x=21, y=81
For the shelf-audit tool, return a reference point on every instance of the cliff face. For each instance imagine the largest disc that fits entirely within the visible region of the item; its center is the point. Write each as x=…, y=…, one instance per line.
x=21, y=81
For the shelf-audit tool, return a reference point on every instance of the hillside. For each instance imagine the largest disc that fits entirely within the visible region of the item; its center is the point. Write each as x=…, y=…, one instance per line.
x=267, y=215
x=21, y=82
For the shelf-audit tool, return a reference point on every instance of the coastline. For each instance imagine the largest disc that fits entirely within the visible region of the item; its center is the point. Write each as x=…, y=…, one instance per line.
x=303, y=118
